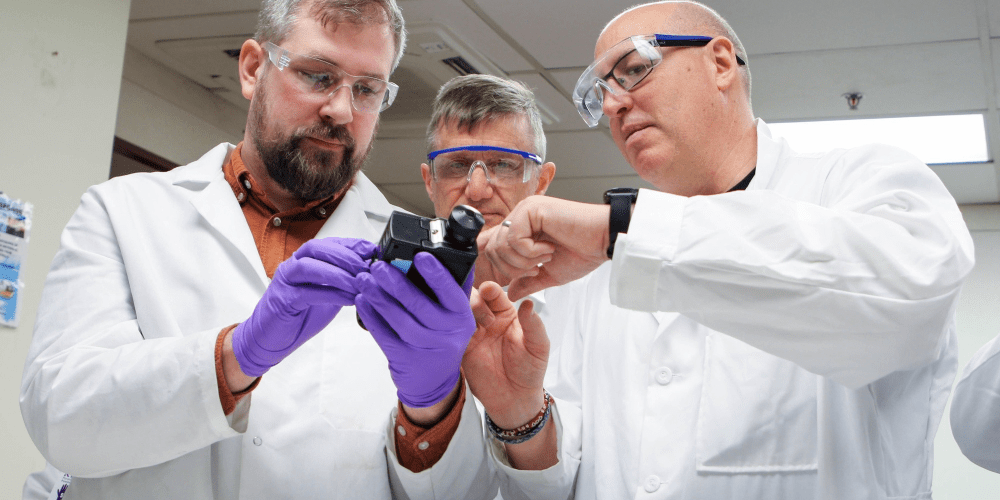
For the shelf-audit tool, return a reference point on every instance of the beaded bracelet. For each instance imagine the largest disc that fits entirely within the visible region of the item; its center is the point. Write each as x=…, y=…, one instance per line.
x=526, y=431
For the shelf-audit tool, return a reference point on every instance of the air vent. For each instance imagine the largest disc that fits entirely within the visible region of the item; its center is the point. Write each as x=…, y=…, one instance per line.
x=460, y=65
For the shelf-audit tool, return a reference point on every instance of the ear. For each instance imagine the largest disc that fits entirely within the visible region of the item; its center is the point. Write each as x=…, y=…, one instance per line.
x=727, y=70
x=545, y=175
x=425, y=172
x=251, y=65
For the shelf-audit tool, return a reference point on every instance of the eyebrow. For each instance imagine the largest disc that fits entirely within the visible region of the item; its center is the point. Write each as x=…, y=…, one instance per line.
x=320, y=58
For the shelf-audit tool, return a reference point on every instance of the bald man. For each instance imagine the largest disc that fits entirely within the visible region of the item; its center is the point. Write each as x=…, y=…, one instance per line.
x=762, y=325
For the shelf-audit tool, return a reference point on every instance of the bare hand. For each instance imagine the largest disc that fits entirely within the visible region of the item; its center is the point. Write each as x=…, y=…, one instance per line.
x=549, y=242
x=504, y=363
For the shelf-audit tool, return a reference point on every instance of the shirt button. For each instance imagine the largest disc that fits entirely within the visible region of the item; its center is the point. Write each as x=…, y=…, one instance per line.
x=664, y=376
x=652, y=484
x=402, y=431
x=277, y=221
x=240, y=197
x=423, y=445
x=322, y=211
x=246, y=184
x=258, y=441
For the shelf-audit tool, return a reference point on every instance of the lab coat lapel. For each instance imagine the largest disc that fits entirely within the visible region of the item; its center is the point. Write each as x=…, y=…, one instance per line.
x=218, y=206
x=361, y=214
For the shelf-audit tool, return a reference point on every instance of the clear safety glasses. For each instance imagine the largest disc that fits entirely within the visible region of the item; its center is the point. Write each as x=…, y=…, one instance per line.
x=502, y=166
x=320, y=79
x=626, y=63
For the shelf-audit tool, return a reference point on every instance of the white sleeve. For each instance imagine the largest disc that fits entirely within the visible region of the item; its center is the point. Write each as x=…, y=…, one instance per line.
x=975, y=408
x=463, y=472
x=556, y=482
x=97, y=397
x=855, y=280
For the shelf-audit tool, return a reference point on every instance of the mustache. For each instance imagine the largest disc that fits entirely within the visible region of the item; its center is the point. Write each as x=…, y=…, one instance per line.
x=328, y=131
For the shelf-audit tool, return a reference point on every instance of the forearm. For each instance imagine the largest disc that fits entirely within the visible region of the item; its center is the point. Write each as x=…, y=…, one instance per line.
x=872, y=290
x=94, y=410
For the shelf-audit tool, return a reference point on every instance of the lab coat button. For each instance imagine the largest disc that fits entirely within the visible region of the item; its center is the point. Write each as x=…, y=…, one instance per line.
x=258, y=441
x=277, y=221
x=652, y=484
x=664, y=376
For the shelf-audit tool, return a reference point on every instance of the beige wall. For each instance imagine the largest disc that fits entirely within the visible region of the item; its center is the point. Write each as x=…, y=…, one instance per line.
x=62, y=63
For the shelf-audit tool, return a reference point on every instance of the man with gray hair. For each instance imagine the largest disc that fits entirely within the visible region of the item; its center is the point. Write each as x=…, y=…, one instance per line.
x=761, y=325
x=174, y=293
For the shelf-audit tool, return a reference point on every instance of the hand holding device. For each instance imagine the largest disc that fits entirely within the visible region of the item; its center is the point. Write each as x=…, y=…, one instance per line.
x=306, y=293
x=422, y=338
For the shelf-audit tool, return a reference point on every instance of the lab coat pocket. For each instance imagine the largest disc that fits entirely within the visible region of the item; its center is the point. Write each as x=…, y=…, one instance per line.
x=757, y=412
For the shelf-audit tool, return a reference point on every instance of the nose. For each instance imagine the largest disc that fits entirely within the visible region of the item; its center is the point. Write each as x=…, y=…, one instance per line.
x=616, y=104
x=338, y=108
x=478, y=187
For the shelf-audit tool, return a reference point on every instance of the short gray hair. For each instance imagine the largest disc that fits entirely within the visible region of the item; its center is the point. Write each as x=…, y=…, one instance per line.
x=277, y=17
x=473, y=99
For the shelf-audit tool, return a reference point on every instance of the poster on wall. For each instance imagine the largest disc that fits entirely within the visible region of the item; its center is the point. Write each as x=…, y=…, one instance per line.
x=15, y=224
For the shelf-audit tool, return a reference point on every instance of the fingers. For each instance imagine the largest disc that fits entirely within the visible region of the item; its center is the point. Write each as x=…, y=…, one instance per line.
x=380, y=330
x=451, y=296
x=381, y=291
x=351, y=255
x=480, y=310
x=305, y=271
x=521, y=287
x=535, y=337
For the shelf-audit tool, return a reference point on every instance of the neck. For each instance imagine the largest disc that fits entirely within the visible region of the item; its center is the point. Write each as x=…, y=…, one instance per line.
x=739, y=160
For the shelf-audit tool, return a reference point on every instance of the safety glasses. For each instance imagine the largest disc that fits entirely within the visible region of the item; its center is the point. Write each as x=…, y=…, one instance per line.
x=320, y=79
x=626, y=63
x=502, y=166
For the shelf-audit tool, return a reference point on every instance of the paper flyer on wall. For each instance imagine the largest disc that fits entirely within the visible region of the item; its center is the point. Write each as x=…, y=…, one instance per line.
x=15, y=224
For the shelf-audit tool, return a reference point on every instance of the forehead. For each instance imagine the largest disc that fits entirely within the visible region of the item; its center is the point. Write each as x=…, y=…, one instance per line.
x=644, y=20
x=510, y=131
x=360, y=49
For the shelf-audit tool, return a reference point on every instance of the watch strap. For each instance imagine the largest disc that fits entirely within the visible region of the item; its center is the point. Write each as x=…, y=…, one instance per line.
x=620, y=201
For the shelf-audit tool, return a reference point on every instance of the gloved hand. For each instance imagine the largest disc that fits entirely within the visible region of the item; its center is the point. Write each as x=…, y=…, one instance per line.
x=306, y=293
x=423, y=339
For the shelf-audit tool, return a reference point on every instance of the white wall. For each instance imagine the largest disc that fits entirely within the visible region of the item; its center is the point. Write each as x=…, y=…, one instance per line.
x=57, y=118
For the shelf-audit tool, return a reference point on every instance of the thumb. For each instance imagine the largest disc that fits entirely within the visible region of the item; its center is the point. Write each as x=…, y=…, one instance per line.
x=536, y=340
x=526, y=285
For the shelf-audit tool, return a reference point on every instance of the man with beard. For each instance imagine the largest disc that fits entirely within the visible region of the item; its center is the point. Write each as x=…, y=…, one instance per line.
x=173, y=293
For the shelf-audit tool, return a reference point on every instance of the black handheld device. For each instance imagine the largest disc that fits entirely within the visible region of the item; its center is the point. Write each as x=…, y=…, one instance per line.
x=452, y=241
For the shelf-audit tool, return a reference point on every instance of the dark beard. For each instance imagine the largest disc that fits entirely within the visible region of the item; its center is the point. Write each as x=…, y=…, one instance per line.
x=310, y=175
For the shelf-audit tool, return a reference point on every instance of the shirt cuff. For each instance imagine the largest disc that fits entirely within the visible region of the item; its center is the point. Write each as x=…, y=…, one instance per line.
x=228, y=398
x=419, y=448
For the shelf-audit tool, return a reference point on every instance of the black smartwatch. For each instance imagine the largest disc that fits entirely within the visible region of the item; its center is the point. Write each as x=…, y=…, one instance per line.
x=621, y=201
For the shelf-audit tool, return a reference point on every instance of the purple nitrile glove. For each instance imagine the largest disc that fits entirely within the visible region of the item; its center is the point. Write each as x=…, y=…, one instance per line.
x=423, y=339
x=306, y=293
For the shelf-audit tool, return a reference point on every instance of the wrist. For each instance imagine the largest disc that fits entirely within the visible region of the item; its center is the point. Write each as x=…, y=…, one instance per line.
x=431, y=415
x=236, y=379
x=525, y=431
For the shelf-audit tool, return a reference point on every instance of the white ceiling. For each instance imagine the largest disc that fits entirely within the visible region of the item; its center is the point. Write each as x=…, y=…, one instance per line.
x=907, y=58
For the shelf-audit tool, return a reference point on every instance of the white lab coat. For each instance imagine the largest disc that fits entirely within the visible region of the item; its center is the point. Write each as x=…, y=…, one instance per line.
x=119, y=388
x=975, y=408
x=792, y=341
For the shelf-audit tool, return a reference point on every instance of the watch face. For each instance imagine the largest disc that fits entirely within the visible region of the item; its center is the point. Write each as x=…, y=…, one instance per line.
x=619, y=191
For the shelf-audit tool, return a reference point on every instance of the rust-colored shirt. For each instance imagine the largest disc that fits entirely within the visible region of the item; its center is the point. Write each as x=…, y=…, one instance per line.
x=278, y=235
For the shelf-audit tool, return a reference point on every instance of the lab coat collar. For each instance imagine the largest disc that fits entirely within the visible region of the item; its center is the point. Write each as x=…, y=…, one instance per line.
x=769, y=150
x=362, y=213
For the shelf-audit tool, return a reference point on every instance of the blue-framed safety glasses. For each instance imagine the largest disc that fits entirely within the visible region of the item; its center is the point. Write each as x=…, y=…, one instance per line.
x=626, y=63
x=502, y=166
